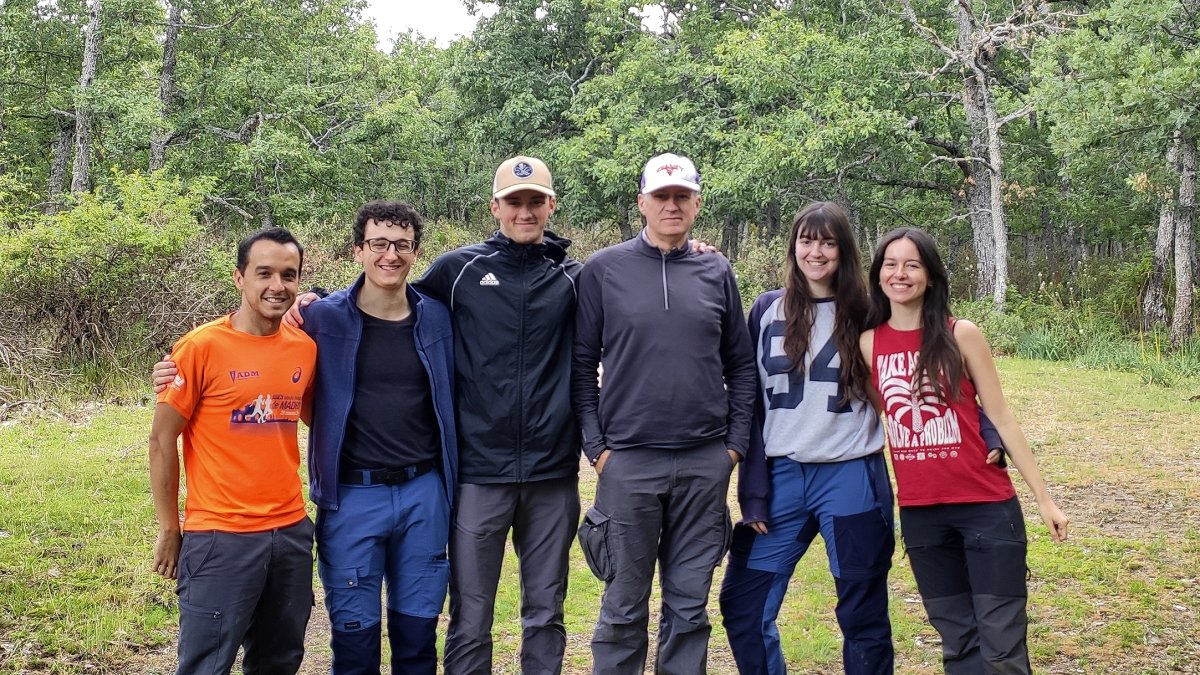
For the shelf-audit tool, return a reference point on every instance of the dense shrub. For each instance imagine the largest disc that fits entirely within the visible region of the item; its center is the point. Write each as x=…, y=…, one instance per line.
x=111, y=280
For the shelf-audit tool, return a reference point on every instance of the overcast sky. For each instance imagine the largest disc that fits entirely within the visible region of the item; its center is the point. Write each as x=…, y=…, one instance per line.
x=442, y=20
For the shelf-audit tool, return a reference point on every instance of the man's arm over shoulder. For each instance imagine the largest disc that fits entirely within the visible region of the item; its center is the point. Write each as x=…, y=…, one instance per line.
x=438, y=280
x=589, y=333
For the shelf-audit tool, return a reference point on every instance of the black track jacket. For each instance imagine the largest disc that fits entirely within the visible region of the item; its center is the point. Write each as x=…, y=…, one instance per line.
x=513, y=308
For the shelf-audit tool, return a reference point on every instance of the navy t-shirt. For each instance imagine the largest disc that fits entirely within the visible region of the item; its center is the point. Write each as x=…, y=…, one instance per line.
x=392, y=423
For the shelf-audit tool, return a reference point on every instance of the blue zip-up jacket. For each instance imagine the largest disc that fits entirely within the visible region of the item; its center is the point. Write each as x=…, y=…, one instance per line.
x=335, y=324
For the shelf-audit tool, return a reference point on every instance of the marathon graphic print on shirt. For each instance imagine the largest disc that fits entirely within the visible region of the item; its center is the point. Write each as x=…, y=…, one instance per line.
x=268, y=409
x=918, y=422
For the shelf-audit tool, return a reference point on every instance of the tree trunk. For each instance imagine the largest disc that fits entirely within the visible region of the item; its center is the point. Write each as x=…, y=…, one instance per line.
x=166, y=87
x=996, y=203
x=60, y=157
x=83, y=118
x=623, y=222
x=980, y=177
x=1154, y=302
x=729, y=238
x=852, y=214
x=1075, y=249
x=1181, y=319
x=774, y=221
x=264, y=202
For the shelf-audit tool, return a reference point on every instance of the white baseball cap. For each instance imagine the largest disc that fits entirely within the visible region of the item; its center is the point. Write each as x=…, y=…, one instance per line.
x=669, y=170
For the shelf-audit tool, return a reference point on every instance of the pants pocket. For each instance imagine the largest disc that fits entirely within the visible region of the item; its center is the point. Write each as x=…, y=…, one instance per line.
x=864, y=543
x=741, y=542
x=727, y=541
x=194, y=552
x=200, y=644
x=432, y=594
x=593, y=539
x=345, y=599
x=997, y=566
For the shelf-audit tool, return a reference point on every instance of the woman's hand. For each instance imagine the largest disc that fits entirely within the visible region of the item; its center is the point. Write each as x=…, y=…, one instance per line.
x=1055, y=519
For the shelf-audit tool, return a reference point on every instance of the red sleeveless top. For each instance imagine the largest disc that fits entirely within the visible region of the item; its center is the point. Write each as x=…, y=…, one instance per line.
x=937, y=453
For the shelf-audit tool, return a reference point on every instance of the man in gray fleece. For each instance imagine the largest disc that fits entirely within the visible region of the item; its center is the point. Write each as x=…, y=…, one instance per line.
x=664, y=433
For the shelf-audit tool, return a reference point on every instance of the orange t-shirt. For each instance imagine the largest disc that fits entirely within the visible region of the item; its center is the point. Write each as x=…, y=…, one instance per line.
x=241, y=395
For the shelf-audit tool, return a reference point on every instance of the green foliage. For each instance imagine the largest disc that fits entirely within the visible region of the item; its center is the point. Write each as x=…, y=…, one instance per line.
x=1092, y=331
x=761, y=269
x=117, y=276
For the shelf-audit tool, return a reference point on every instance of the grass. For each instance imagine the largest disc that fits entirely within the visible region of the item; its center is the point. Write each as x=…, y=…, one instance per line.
x=1123, y=596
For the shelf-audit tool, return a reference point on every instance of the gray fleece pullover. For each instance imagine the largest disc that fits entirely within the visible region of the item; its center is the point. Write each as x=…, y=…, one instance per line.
x=670, y=333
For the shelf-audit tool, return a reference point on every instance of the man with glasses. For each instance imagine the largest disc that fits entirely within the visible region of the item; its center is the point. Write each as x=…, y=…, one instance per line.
x=382, y=449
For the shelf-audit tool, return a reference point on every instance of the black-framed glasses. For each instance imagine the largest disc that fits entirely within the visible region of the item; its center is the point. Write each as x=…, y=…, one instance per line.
x=381, y=245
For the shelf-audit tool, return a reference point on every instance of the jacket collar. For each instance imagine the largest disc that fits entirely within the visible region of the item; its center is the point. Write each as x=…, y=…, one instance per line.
x=414, y=298
x=644, y=245
x=552, y=246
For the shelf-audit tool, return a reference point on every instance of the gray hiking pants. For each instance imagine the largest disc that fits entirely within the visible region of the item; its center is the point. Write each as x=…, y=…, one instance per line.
x=543, y=516
x=969, y=563
x=669, y=506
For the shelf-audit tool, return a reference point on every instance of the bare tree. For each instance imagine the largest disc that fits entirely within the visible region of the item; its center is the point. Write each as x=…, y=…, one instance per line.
x=977, y=44
x=1185, y=242
x=1154, y=300
x=83, y=118
x=166, y=86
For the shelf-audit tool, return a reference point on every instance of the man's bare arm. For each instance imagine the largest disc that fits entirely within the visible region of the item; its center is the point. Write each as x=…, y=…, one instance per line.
x=164, y=485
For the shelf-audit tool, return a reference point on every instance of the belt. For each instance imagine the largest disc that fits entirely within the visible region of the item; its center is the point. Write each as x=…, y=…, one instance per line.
x=385, y=476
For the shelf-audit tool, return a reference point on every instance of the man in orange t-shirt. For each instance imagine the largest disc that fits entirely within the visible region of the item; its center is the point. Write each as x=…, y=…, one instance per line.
x=243, y=558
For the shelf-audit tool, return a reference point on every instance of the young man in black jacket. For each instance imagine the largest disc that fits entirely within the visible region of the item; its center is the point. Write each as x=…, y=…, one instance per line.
x=666, y=429
x=512, y=299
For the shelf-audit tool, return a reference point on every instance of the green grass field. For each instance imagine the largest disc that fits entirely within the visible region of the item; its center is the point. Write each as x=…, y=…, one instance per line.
x=1122, y=596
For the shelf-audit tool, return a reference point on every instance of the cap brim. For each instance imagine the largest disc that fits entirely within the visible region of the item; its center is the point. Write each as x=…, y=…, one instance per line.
x=671, y=182
x=523, y=186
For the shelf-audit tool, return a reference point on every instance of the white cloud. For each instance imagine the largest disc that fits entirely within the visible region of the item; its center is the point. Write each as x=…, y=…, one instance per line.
x=441, y=20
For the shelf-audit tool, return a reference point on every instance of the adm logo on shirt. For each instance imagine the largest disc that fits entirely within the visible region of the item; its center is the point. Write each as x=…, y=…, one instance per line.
x=235, y=375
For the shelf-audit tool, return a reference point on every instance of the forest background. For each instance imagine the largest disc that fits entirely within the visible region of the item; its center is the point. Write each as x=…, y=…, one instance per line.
x=1050, y=146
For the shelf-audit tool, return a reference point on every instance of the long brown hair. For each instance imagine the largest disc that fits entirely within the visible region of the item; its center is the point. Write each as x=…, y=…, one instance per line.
x=827, y=220
x=940, y=361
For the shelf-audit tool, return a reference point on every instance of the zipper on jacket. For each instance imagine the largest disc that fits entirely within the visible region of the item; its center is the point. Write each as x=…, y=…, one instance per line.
x=666, y=300
x=521, y=367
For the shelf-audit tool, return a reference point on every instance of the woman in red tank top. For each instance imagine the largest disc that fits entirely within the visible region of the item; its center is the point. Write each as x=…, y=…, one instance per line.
x=962, y=525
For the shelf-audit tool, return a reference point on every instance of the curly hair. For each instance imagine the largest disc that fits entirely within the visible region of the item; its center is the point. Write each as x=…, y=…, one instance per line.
x=387, y=211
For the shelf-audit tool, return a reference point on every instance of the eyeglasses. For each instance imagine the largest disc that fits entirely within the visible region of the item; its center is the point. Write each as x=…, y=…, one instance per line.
x=381, y=245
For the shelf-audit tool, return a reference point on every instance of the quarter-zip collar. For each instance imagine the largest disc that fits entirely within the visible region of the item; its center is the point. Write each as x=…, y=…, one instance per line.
x=644, y=246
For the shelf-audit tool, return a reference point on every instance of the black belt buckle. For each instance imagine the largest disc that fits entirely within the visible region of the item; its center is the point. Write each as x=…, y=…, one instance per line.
x=368, y=477
x=395, y=476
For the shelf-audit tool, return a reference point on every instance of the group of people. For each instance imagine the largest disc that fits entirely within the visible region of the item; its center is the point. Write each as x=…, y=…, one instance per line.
x=446, y=412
